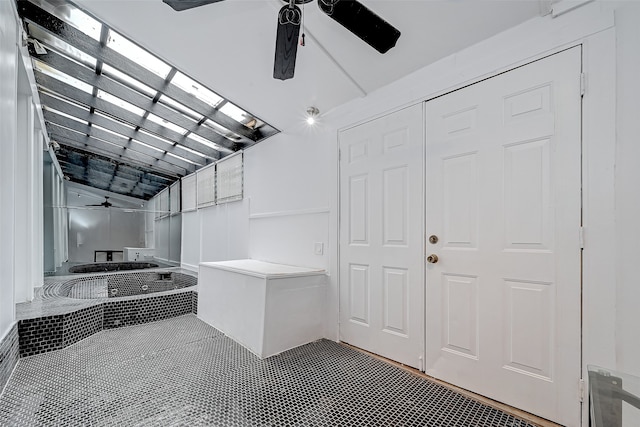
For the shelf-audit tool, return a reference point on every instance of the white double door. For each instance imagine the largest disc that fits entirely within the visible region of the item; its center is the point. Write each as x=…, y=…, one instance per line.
x=503, y=182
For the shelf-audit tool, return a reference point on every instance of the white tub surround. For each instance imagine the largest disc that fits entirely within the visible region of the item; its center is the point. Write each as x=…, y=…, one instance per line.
x=266, y=307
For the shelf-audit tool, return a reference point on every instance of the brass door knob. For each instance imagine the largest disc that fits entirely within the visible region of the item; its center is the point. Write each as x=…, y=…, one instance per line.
x=432, y=259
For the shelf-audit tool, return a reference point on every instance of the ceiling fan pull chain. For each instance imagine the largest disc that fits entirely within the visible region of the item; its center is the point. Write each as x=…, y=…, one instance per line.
x=302, y=38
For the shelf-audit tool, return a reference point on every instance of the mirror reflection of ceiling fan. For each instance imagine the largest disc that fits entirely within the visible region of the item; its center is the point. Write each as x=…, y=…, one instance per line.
x=351, y=14
x=106, y=203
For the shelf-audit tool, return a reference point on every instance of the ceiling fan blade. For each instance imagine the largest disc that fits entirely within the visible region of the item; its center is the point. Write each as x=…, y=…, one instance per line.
x=284, y=64
x=188, y=4
x=362, y=22
x=100, y=204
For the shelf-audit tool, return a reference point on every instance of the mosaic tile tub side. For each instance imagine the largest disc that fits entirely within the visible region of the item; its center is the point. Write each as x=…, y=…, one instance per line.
x=9, y=355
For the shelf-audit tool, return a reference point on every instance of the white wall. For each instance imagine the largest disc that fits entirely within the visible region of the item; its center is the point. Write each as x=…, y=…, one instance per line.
x=103, y=229
x=55, y=229
x=284, y=212
x=21, y=174
x=167, y=236
x=287, y=182
x=8, y=139
x=215, y=233
x=627, y=200
x=28, y=194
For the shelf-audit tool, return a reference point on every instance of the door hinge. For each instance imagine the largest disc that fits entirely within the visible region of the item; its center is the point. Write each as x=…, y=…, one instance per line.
x=583, y=84
x=581, y=389
x=581, y=237
x=339, y=155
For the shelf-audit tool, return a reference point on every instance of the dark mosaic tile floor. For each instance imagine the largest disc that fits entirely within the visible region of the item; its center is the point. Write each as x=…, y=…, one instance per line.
x=181, y=372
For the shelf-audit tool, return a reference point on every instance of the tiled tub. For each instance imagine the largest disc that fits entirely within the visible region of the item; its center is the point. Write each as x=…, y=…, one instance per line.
x=70, y=310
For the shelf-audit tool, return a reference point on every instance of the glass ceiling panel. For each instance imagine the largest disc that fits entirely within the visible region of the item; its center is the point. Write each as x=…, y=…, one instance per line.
x=208, y=143
x=235, y=113
x=181, y=158
x=128, y=81
x=66, y=115
x=159, y=138
x=167, y=124
x=120, y=103
x=147, y=145
x=61, y=46
x=222, y=130
x=119, y=135
x=64, y=99
x=73, y=16
x=120, y=122
x=197, y=152
x=180, y=108
x=196, y=89
x=130, y=50
x=72, y=81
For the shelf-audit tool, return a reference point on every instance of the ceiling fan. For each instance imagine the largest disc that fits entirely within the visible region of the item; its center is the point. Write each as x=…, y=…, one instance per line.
x=106, y=203
x=351, y=14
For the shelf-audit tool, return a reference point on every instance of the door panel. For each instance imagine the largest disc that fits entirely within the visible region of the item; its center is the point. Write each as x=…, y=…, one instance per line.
x=503, y=196
x=381, y=244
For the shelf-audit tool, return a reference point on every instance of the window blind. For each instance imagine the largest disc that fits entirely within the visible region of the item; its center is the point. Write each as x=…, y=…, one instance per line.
x=189, y=195
x=229, y=178
x=206, y=179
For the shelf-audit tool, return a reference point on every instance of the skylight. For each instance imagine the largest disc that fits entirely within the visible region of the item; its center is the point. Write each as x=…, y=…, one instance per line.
x=180, y=108
x=68, y=116
x=222, y=130
x=180, y=158
x=167, y=124
x=107, y=117
x=234, y=112
x=148, y=146
x=130, y=50
x=65, y=78
x=206, y=142
x=196, y=89
x=75, y=17
x=129, y=81
x=129, y=96
x=120, y=103
x=161, y=139
x=63, y=47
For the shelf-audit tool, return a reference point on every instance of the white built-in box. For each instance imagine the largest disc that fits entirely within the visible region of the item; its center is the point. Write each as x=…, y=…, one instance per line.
x=266, y=307
x=138, y=254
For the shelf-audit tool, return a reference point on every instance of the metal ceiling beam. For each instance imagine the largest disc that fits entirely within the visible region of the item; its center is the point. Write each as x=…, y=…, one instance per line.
x=57, y=119
x=131, y=96
x=145, y=195
x=117, y=173
x=78, y=172
x=87, y=143
x=88, y=160
x=117, y=127
x=76, y=38
x=110, y=109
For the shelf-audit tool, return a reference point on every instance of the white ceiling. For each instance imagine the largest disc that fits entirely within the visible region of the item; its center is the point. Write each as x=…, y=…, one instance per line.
x=229, y=46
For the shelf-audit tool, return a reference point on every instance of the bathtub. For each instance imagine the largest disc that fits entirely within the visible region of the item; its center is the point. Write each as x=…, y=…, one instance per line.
x=98, y=267
x=125, y=284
